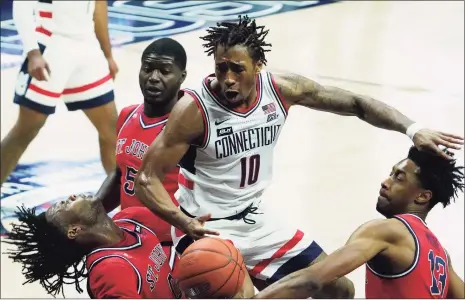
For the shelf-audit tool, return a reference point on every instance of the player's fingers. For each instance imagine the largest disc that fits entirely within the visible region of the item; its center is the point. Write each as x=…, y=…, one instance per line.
x=47, y=68
x=451, y=139
x=38, y=74
x=204, y=218
x=447, y=144
x=452, y=135
x=45, y=74
x=439, y=152
x=210, y=232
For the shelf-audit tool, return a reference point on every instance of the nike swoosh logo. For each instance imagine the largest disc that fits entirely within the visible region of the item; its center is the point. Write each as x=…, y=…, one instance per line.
x=220, y=122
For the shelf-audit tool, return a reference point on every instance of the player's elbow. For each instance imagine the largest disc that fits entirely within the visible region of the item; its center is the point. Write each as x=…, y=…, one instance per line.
x=141, y=182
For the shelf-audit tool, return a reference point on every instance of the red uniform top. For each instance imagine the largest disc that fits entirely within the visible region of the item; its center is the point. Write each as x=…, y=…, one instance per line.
x=136, y=267
x=135, y=134
x=426, y=278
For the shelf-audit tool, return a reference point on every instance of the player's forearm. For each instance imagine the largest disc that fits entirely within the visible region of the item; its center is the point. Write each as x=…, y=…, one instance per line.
x=152, y=193
x=456, y=287
x=110, y=191
x=296, y=285
x=370, y=110
x=101, y=27
x=23, y=16
x=380, y=114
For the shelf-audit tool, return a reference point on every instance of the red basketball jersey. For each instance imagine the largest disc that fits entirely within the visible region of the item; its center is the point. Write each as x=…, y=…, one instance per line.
x=426, y=278
x=136, y=267
x=135, y=134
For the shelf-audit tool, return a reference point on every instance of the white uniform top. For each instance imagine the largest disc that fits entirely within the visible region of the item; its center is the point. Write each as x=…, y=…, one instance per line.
x=37, y=21
x=74, y=19
x=232, y=168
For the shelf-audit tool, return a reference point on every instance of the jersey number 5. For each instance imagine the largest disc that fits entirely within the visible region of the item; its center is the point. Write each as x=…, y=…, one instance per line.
x=252, y=165
x=129, y=183
x=437, y=266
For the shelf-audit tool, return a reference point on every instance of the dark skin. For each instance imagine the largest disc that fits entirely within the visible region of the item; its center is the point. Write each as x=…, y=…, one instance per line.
x=160, y=80
x=84, y=219
x=236, y=71
x=388, y=241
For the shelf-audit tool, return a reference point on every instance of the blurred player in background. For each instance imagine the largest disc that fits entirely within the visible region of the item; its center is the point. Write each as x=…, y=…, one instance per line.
x=124, y=257
x=163, y=70
x=403, y=257
x=68, y=58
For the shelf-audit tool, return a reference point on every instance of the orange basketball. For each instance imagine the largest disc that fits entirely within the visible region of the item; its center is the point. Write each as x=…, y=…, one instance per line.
x=210, y=268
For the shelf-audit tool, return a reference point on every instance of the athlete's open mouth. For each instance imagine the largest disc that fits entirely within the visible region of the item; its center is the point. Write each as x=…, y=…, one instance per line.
x=231, y=95
x=153, y=91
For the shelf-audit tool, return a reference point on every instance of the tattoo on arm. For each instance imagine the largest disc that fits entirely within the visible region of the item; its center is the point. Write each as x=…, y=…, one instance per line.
x=298, y=90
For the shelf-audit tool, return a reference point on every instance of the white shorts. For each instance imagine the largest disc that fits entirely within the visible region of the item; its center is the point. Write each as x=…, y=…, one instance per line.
x=270, y=250
x=79, y=77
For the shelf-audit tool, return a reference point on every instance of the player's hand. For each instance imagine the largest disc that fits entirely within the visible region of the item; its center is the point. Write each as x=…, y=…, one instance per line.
x=37, y=67
x=429, y=140
x=113, y=67
x=195, y=227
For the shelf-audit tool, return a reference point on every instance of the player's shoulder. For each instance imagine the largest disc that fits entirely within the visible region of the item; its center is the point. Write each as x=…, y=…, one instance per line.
x=188, y=99
x=136, y=213
x=389, y=229
x=113, y=277
x=187, y=118
x=124, y=115
x=128, y=109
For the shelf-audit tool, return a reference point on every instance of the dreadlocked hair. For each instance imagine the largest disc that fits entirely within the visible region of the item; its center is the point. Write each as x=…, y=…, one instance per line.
x=45, y=252
x=442, y=177
x=245, y=32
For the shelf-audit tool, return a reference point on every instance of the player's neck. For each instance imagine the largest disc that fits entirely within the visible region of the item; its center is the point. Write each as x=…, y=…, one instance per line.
x=106, y=233
x=421, y=214
x=153, y=110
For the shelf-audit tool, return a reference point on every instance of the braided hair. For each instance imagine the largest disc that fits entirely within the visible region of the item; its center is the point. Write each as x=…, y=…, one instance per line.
x=245, y=32
x=46, y=253
x=442, y=177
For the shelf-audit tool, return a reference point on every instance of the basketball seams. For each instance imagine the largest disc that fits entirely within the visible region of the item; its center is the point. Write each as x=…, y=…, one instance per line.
x=227, y=285
x=234, y=259
x=233, y=270
x=206, y=250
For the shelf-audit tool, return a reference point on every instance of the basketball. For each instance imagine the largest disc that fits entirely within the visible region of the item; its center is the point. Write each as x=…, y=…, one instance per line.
x=210, y=268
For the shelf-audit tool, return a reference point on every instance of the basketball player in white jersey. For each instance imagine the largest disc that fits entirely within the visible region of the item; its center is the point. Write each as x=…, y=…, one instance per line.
x=232, y=121
x=67, y=58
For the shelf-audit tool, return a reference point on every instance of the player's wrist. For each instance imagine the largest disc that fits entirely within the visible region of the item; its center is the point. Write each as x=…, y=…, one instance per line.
x=182, y=220
x=413, y=129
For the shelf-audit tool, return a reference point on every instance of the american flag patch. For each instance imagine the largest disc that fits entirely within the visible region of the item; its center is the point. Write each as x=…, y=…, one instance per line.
x=269, y=108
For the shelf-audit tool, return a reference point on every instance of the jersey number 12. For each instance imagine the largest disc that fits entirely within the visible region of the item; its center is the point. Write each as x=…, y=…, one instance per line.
x=437, y=266
x=250, y=167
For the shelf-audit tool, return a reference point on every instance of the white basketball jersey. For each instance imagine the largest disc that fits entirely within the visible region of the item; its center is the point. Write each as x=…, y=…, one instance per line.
x=73, y=19
x=235, y=163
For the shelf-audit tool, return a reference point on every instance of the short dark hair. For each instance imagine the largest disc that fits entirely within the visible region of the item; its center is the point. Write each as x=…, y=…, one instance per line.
x=441, y=176
x=245, y=32
x=45, y=252
x=168, y=47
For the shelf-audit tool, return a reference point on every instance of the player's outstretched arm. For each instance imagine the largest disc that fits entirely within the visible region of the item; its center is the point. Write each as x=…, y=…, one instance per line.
x=366, y=242
x=298, y=90
x=110, y=191
x=456, y=284
x=184, y=126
